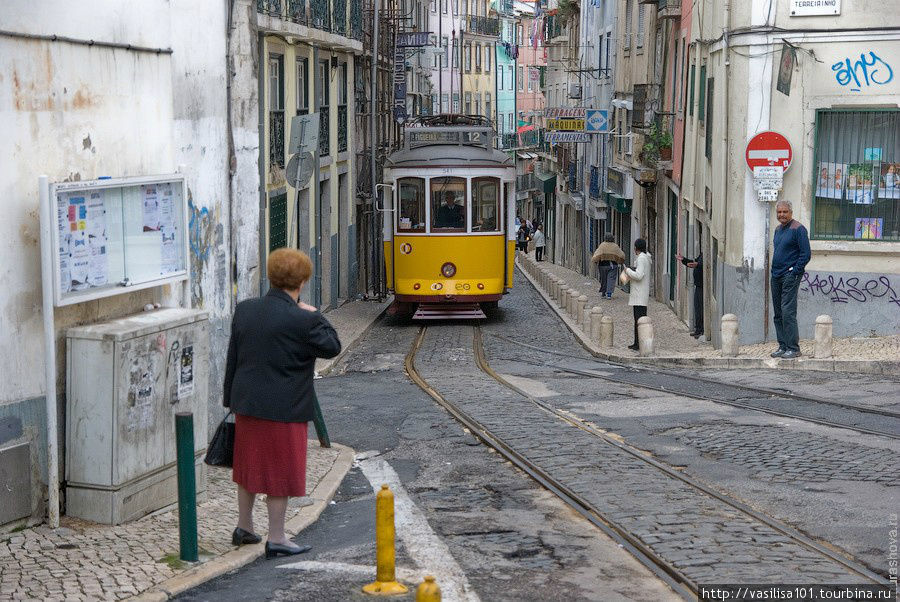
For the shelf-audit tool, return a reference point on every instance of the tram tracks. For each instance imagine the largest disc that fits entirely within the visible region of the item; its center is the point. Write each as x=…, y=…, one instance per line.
x=685, y=532
x=863, y=419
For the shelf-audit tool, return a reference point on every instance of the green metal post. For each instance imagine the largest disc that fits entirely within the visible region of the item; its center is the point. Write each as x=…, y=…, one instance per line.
x=319, y=421
x=187, y=486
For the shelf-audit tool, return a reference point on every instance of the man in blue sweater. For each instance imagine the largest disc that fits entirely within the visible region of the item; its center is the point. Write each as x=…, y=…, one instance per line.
x=788, y=263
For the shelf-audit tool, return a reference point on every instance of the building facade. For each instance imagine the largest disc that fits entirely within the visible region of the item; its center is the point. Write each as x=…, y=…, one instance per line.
x=826, y=83
x=308, y=51
x=122, y=93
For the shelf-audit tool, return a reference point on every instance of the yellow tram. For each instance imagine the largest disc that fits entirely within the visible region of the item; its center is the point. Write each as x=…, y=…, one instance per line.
x=449, y=240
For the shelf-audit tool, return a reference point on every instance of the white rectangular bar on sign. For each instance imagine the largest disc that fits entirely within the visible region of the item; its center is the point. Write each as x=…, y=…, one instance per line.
x=780, y=153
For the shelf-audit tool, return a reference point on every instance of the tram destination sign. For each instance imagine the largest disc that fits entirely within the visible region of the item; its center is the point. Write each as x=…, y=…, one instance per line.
x=565, y=113
x=556, y=137
x=569, y=125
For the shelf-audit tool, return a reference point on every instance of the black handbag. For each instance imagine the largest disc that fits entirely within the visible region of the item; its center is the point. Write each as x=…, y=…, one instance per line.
x=221, y=449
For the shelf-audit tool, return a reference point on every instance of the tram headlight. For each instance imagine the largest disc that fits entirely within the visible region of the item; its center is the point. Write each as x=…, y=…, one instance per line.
x=448, y=270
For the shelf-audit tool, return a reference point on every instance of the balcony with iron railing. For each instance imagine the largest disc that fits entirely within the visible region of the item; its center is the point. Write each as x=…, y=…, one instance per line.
x=484, y=26
x=668, y=9
x=505, y=7
x=276, y=138
x=324, y=131
x=526, y=182
x=342, y=128
x=326, y=15
x=555, y=27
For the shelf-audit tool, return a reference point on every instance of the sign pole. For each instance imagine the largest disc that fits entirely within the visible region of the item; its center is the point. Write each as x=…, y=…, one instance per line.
x=47, y=276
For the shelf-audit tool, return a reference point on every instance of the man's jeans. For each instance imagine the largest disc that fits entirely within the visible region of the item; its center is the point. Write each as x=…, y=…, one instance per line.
x=784, y=303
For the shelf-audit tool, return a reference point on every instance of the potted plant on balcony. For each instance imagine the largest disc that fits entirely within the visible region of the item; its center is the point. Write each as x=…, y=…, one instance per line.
x=657, y=145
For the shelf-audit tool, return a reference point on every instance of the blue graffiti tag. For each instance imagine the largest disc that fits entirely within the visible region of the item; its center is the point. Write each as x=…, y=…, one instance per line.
x=198, y=222
x=870, y=70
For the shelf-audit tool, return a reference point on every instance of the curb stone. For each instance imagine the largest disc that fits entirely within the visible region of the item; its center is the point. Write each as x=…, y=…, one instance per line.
x=320, y=498
x=829, y=365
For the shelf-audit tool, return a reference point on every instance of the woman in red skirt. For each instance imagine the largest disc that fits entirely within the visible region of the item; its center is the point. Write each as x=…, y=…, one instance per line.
x=275, y=341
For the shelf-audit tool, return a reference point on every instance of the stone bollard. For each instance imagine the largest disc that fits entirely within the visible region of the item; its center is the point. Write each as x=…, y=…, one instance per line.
x=557, y=289
x=824, y=342
x=563, y=296
x=606, y=332
x=596, y=314
x=645, y=336
x=551, y=286
x=586, y=320
x=573, y=299
x=730, y=335
x=580, y=302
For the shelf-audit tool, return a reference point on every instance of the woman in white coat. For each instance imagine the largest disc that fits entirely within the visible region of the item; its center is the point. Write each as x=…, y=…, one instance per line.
x=639, y=297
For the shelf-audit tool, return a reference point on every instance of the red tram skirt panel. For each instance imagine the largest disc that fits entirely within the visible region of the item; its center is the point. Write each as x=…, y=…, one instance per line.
x=269, y=456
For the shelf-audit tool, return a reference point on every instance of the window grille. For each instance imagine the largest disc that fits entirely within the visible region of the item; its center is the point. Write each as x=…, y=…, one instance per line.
x=856, y=192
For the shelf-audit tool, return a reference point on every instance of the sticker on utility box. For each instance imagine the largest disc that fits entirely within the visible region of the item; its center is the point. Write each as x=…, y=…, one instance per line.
x=186, y=372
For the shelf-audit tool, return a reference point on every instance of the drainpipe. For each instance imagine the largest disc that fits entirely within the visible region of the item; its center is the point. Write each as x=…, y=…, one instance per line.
x=49, y=355
x=376, y=267
x=261, y=91
x=727, y=19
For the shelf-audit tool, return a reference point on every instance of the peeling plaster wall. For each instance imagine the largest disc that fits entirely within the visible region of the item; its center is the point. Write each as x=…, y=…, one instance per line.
x=244, y=164
x=77, y=112
x=201, y=146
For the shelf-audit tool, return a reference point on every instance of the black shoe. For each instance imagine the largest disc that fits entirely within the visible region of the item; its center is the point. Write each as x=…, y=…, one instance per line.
x=634, y=347
x=696, y=335
x=279, y=549
x=778, y=353
x=240, y=537
x=790, y=354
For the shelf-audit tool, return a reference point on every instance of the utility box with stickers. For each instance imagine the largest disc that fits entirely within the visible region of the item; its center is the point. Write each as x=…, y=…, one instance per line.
x=126, y=380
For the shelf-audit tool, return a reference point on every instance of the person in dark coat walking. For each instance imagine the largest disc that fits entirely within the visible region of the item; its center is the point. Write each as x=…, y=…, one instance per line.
x=697, y=265
x=522, y=237
x=608, y=257
x=275, y=340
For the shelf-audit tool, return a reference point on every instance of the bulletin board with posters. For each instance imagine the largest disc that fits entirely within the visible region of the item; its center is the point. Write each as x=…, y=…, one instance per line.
x=116, y=235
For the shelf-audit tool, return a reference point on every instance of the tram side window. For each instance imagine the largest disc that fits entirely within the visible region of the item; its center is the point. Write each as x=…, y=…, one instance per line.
x=448, y=204
x=485, y=205
x=412, y=205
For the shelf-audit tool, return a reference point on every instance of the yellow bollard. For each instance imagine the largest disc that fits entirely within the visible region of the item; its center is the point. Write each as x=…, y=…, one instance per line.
x=428, y=591
x=386, y=583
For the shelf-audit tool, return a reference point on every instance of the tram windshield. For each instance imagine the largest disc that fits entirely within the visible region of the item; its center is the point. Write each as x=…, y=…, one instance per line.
x=485, y=204
x=412, y=205
x=448, y=204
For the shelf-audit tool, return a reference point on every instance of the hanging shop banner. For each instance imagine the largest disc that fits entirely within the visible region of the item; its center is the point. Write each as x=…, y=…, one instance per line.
x=565, y=113
x=569, y=125
x=399, y=84
x=556, y=137
x=412, y=39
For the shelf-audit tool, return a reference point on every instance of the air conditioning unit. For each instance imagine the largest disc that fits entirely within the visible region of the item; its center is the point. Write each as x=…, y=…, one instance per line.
x=629, y=144
x=574, y=90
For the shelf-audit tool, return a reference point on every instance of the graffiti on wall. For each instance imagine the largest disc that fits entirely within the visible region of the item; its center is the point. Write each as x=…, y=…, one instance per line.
x=869, y=70
x=206, y=236
x=851, y=289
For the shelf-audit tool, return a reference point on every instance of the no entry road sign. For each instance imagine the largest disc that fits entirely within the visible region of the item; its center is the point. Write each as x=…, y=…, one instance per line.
x=769, y=149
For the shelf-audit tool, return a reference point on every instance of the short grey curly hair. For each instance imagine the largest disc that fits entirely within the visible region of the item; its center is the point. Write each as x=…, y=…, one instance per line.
x=784, y=203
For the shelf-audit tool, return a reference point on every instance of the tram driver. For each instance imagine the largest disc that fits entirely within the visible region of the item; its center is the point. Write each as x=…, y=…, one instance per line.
x=449, y=215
